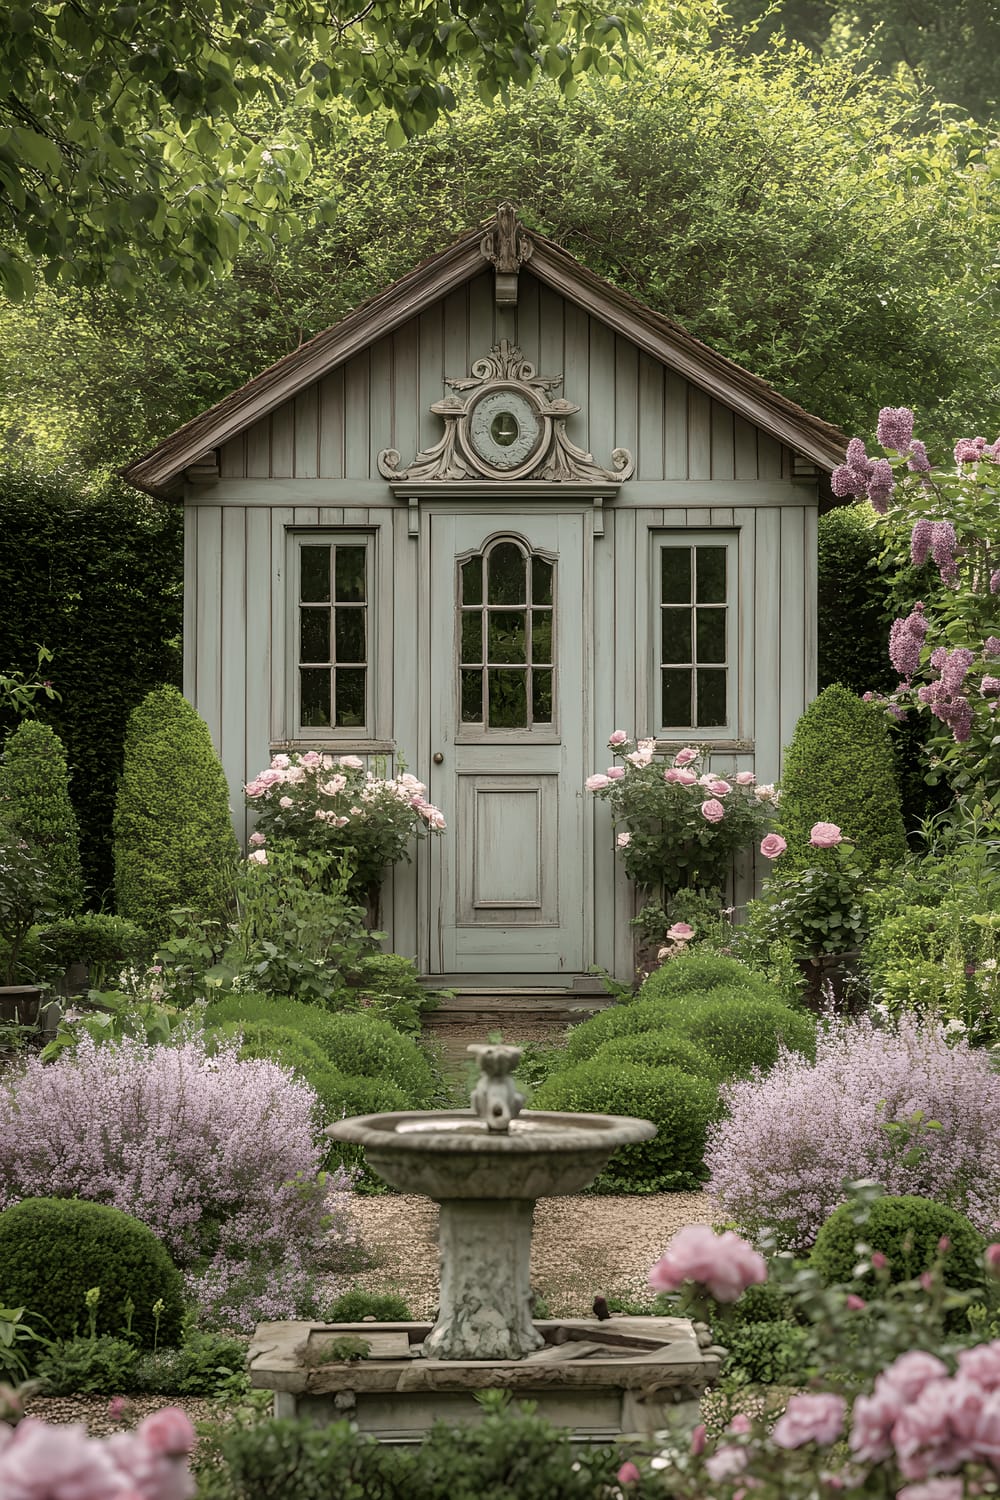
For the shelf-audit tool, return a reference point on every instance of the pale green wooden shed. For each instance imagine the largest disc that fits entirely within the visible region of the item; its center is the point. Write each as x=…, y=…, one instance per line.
x=493, y=514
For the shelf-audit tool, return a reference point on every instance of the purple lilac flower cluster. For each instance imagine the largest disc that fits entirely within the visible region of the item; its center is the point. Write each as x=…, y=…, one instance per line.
x=862, y=475
x=218, y=1155
x=945, y=697
x=905, y=640
x=790, y=1140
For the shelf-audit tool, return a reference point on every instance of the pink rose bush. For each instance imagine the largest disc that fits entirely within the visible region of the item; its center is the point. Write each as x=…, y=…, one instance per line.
x=320, y=803
x=684, y=823
x=220, y=1156
x=722, y=1265
x=39, y=1461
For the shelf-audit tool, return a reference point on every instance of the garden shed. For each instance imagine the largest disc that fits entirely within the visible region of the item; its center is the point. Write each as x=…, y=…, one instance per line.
x=496, y=512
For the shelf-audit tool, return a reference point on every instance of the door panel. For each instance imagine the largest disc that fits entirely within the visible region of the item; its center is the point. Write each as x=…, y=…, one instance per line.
x=507, y=693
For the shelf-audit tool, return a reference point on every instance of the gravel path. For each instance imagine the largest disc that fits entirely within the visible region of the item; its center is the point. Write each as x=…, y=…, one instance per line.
x=582, y=1246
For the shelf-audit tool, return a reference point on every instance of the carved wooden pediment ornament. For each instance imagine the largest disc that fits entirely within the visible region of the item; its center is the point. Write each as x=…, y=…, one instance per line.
x=505, y=426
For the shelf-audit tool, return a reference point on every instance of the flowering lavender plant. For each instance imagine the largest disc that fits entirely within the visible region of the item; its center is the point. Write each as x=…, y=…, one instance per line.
x=946, y=523
x=780, y=1158
x=328, y=805
x=678, y=823
x=220, y=1157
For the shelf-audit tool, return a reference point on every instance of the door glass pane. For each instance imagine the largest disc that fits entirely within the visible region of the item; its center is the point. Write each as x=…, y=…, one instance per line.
x=350, y=573
x=315, y=692
x=472, y=636
x=472, y=697
x=541, y=581
x=711, y=697
x=676, y=632
x=506, y=574
x=314, y=579
x=472, y=581
x=675, y=568
x=541, y=635
x=350, y=697
x=508, y=700
x=677, y=697
x=710, y=570
x=350, y=635
x=541, y=697
x=314, y=643
x=711, y=634
x=506, y=635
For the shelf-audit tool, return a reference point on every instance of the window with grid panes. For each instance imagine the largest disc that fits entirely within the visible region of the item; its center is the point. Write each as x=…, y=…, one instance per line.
x=506, y=646
x=333, y=634
x=695, y=629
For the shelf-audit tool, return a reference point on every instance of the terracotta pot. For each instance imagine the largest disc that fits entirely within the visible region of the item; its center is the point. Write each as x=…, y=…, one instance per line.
x=19, y=1004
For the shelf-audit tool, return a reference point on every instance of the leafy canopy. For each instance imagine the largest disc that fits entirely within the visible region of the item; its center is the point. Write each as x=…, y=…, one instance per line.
x=144, y=135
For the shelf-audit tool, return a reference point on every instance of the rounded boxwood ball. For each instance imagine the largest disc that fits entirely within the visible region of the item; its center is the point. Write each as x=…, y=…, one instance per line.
x=54, y=1250
x=907, y=1231
x=659, y=1049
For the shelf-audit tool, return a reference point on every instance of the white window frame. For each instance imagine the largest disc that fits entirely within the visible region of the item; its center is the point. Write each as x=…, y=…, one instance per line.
x=326, y=536
x=701, y=734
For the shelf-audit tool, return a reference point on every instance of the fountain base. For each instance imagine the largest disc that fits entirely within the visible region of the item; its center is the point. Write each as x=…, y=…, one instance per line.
x=601, y=1380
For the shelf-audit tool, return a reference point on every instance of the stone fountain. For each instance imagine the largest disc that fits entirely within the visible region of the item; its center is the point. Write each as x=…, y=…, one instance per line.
x=486, y=1167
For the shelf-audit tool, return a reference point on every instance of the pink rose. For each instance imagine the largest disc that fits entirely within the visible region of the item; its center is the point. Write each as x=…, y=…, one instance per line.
x=640, y=757
x=311, y=759
x=825, y=835
x=933, y=1489
x=773, y=846
x=352, y=762
x=872, y=1422
x=615, y=773
x=258, y=857
x=726, y=1462
x=280, y=762
x=596, y=783
x=681, y=777
x=698, y=1439
x=724, y=1264
x=879, y=1262
x=993, y=1259
x=167, y=1431
x=740, y=1423
x=623, y=840
x=681, y=932
x=854, y=1302
x=908, y=1374
x=257, y=839
x=617, y=737
x=810, y=1419
x=334, y=786
x=718, y=787
x=982, y=1365
x=628, y=1473
x=745, y=778
x=285, y=802
x=712, y=811
x=686, y=756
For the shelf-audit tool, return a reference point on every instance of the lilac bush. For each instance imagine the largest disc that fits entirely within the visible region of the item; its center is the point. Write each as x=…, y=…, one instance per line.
x=790, y=1141
x=219, y=1156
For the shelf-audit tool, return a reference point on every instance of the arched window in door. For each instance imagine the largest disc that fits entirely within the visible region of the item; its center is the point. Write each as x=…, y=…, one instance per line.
x=507, y=664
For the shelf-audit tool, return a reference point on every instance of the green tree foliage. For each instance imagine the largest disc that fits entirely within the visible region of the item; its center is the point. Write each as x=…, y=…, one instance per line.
x=854, y=612
x=174, y=842
x=96, y=573
x=807, y=221
x=35, y=805
x=839, y=769
x=135, y=137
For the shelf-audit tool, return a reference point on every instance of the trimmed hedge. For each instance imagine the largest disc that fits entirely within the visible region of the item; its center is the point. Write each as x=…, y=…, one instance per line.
x=35, y=805
x=681, y=1106
x=907, y=1231
x=696, y=973
x=174, y=842
x=659, y=1049
x=839, y=768
x=97, y=578
x=54, y=1250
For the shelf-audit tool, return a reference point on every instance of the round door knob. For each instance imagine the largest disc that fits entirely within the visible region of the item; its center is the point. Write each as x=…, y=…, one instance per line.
x=438, y=758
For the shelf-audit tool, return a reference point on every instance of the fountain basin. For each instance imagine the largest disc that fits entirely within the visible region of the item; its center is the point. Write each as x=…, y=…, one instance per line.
x=447, y=1154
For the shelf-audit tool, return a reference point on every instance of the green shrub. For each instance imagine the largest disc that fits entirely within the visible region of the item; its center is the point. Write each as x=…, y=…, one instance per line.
x=741, y=1032
x=696, y=973
x=766, y=1303
x=681, y=1107
x=839, y=769
x=97, y=939
x=852, y=588
x=54, y=1250
x=174, y=842
x=907, y=1231
x=84, y=1366
x=385, y=1307
x=206, y=1364
x=659, y=1049
x=390, y=985
x=772, y=1353
x=35, y=806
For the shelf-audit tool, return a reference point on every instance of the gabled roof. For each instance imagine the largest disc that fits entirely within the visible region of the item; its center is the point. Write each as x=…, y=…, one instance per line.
x=159, y=471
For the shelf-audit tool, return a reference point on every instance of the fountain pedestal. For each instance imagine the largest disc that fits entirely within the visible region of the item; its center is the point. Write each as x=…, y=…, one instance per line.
x=485, y=1299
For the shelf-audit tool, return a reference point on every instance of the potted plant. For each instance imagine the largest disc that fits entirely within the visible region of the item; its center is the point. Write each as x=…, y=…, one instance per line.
x=24, y=900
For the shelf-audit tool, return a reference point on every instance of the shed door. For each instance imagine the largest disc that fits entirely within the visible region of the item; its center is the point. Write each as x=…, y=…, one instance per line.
x=507, y=716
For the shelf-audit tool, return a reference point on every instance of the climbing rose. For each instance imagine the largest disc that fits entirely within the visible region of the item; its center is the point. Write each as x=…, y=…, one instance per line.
x=623, y=840
x=680, y=775
x=628, y=1473
x=773, y=846
x=617, y=737
x=723, y=1264
x=718, y=787
x=258, y=857
x=810, y=1419
x=596, y=783
x=615, y=773
x=681, y=932
x=895, y=428
x=713, y=811
x=745, y=778
x=825, y=835
x=686, y=756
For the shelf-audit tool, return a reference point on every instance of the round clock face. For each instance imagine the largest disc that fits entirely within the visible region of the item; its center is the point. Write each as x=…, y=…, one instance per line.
x=504, y=429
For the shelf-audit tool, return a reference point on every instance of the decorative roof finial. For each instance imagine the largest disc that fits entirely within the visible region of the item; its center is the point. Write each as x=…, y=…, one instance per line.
x=506, y=245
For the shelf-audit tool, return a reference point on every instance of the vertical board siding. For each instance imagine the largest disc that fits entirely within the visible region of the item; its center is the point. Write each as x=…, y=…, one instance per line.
x=331, y=425
x=257, y=749
x=767, y=644
x=208, y=643
x=305, y=455
x=231, y=744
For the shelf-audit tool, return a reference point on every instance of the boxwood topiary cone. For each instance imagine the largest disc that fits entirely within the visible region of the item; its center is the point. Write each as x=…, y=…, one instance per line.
x=35, y=805
x=839, y=769
x=174, y=841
